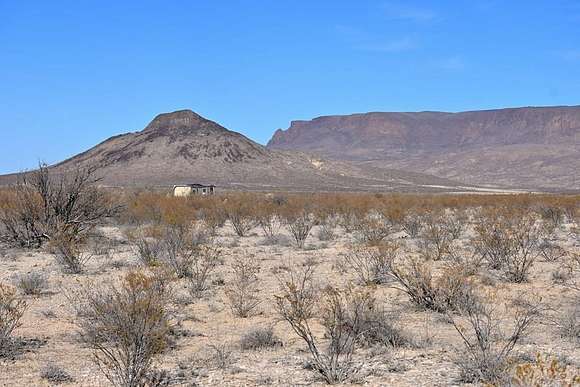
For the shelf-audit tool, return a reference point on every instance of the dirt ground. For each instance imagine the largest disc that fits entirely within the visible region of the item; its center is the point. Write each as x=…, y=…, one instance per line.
x=51, y=336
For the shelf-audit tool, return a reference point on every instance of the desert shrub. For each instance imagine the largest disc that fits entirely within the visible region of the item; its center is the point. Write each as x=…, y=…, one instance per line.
x=492, y=239
x=373, y=228
x=213, y=217
x=149, y=250
x=267, y=218
x=544, y=372
x=243, y=286
x=552, y=217
x=487, y=346
x=33, y=283
x=525, y=238
x=567, y=322
x=55, y=374
x=509, y=243
x=550, y=251
x=201, y=262
x=240, y=212
x=412, y=224
x=222, y=356
x=187, y=251
x=125, y=326
x=68, y=253
x=259, y=338
x=299, y=221
x=46, y=203
x=339, y=312
x=328, y=224
x=437, y=235
x=11, y=311
x=414, y=277
x=370, y=264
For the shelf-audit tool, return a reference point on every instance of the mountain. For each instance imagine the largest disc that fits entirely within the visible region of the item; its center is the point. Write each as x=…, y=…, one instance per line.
x=531, y=147
x=183, y=147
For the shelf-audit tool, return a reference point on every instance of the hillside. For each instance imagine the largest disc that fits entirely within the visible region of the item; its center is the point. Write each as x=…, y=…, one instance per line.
x=183, y=147
x=518, y=147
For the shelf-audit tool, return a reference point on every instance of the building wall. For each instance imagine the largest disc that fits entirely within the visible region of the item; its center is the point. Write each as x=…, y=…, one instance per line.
x=182, y=191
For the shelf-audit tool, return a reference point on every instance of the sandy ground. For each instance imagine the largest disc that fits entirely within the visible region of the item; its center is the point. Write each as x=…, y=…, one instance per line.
x=209, y=321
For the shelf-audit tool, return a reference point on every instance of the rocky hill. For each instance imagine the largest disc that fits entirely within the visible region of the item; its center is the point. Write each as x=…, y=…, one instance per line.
x=183, y=147
x=520, y=147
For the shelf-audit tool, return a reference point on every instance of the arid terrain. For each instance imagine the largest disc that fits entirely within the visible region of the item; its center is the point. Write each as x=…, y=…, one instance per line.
x=530, y=147
x=206, y=290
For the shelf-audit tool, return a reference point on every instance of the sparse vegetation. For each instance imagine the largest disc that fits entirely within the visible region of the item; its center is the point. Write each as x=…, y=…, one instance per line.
x=259, y=338
x=356, y=302
x=487, y=347
x=11, y=311
x=32, y=284
x=125, y=326
x=242, y=288
x=45, y=203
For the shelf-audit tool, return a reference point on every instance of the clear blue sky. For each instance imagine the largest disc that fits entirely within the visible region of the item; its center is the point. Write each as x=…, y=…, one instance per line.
x=73, y=73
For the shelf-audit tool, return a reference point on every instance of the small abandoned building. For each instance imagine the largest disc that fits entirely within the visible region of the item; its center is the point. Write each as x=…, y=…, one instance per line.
x=193, y=189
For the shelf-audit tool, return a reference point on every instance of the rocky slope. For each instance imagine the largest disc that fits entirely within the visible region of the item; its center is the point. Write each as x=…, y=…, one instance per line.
x=183, y=147
x=520, y=147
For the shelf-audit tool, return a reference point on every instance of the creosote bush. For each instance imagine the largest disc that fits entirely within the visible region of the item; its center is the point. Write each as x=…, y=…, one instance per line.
x=240, y=211
x=370, y=264
x=11, y=311
x=45, y=203
x=415, y=278
x=373, y=228
x=243, y=286
x=299, y=221
x=68, y=253
x=340, y=311
x=125, y=326
x=487, y=343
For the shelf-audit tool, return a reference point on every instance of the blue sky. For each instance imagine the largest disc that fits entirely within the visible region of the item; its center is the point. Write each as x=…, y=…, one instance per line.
x=76, y=72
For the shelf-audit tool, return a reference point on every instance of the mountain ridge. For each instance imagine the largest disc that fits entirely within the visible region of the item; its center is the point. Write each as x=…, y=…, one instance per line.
x=452, y=145
x=183, y=147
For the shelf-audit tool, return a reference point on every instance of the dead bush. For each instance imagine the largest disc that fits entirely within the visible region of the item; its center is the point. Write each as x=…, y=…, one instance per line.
x=487, y=346
x=259, y=338
x=339, y=312
x=11, y=311
x=46, y=203
x=243, y=286
x=125, y=326
x=371, y=264
x=32, y=284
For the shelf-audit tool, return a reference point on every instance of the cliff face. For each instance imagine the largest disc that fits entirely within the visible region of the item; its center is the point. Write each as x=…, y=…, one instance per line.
x=456, y=145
